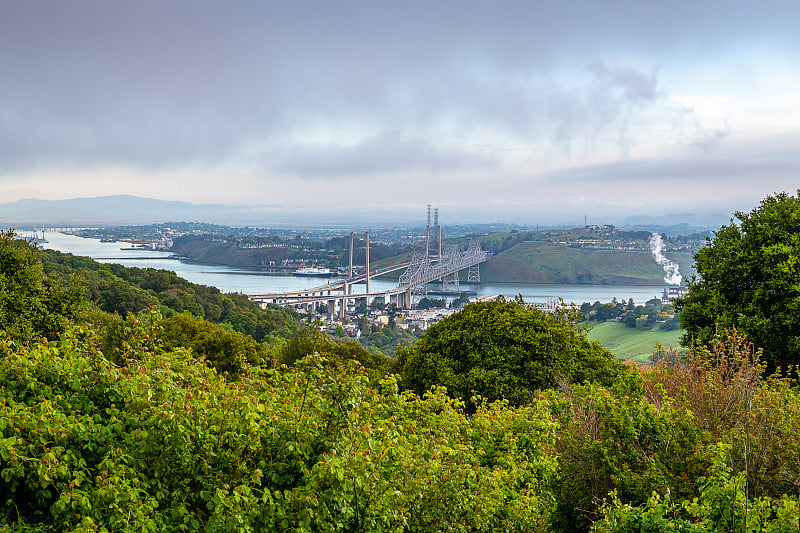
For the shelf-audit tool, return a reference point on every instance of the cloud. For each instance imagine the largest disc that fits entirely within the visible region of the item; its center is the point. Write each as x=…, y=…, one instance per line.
x=709, y=139
x=385, y=153
x=636, y=86
x=773, y=160
x=274, y=94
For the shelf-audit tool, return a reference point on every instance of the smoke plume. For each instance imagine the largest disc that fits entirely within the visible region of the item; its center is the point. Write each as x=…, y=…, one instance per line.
x=672, y=276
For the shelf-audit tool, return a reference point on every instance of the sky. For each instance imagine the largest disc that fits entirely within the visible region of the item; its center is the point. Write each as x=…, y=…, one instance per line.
x=525, y=111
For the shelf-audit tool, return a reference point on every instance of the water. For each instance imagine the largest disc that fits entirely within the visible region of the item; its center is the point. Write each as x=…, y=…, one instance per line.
x=255, y=281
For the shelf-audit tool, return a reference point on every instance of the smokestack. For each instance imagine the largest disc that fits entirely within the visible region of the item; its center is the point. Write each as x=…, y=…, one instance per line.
x=671, y=276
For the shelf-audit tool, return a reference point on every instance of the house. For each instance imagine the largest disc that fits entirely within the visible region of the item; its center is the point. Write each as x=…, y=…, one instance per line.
x=673, y=293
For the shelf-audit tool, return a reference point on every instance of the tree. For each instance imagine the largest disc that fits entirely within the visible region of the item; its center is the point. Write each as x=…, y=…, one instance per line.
x=225, y=350
x=503, y=349
x=391, y=312
x=461, y=301
x=31, y=302
x=307, y=342
x=748, y=277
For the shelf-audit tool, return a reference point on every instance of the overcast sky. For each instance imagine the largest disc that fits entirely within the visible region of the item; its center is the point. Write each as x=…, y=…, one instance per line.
x=491, y=110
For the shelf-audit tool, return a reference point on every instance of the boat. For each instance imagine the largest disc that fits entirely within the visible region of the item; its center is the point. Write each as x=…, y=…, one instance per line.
x=316, y=272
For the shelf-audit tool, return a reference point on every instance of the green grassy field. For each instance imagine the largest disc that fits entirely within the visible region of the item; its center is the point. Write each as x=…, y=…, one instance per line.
x=630, y=343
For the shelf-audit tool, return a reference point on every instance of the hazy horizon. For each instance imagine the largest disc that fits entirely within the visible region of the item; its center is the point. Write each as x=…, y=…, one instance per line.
x=133, y=210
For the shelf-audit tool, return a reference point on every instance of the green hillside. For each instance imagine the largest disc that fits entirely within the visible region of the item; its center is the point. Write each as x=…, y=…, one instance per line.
x=630, y=344
x=543, y=262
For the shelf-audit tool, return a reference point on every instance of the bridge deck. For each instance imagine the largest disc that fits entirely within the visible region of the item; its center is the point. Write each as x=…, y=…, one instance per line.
x=336, y=285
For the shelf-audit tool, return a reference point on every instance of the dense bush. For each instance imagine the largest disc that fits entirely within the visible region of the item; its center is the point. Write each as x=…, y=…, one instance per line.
x=164, y=444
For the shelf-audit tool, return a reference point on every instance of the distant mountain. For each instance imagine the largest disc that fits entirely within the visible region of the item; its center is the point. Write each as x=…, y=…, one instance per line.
x=133, y=210
x=126, y=209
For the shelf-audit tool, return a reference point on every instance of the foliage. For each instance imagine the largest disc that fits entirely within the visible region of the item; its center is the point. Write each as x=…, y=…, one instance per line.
x=722, y=506
x=165, y=444
x=386, y=339
x=227, y=351
x=336, y=353
x=431, y=303
x=31, y=302
x=615, y=440
x=758, y=418
x=643, y=317
x=502, y=350
x=600, y=312
x=748, y=277
x=461, y=301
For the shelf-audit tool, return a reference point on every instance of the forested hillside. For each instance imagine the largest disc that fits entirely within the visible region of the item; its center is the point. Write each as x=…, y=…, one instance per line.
x=121, y=290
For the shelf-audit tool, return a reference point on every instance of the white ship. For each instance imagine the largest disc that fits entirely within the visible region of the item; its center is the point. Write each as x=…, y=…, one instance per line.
x=316, y=272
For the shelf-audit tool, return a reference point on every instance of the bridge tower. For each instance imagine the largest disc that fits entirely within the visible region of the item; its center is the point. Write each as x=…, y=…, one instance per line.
x=433, y=235
x=474, y=274
x=347, y=289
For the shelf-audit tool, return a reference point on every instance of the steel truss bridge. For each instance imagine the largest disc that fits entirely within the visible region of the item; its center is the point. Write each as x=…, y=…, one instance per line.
x=423, y=268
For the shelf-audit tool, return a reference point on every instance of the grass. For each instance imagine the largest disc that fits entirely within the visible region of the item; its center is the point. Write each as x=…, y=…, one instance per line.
x=630, y=344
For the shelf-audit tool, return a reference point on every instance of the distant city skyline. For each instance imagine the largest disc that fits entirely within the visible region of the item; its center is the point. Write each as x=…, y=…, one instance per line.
x=507, y=111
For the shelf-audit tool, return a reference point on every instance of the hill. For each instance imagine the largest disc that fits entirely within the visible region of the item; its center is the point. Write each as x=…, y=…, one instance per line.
x=631, y=344
x=543, y=262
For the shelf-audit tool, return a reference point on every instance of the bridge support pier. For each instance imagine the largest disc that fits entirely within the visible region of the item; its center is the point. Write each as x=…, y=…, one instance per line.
x=401, y=299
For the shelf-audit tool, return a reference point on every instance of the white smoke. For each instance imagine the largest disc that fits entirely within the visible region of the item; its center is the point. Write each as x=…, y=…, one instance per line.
x=672, y=276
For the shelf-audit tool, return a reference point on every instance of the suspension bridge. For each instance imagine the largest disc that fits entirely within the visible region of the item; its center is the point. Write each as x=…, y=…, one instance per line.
x=433, y=263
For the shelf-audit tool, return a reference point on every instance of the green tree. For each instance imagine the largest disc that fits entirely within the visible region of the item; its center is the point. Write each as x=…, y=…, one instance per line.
x=503, y=349
x=748, y=277
x=338, y=354
x=31, y=302
x=391, y=312
x=226, y=350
